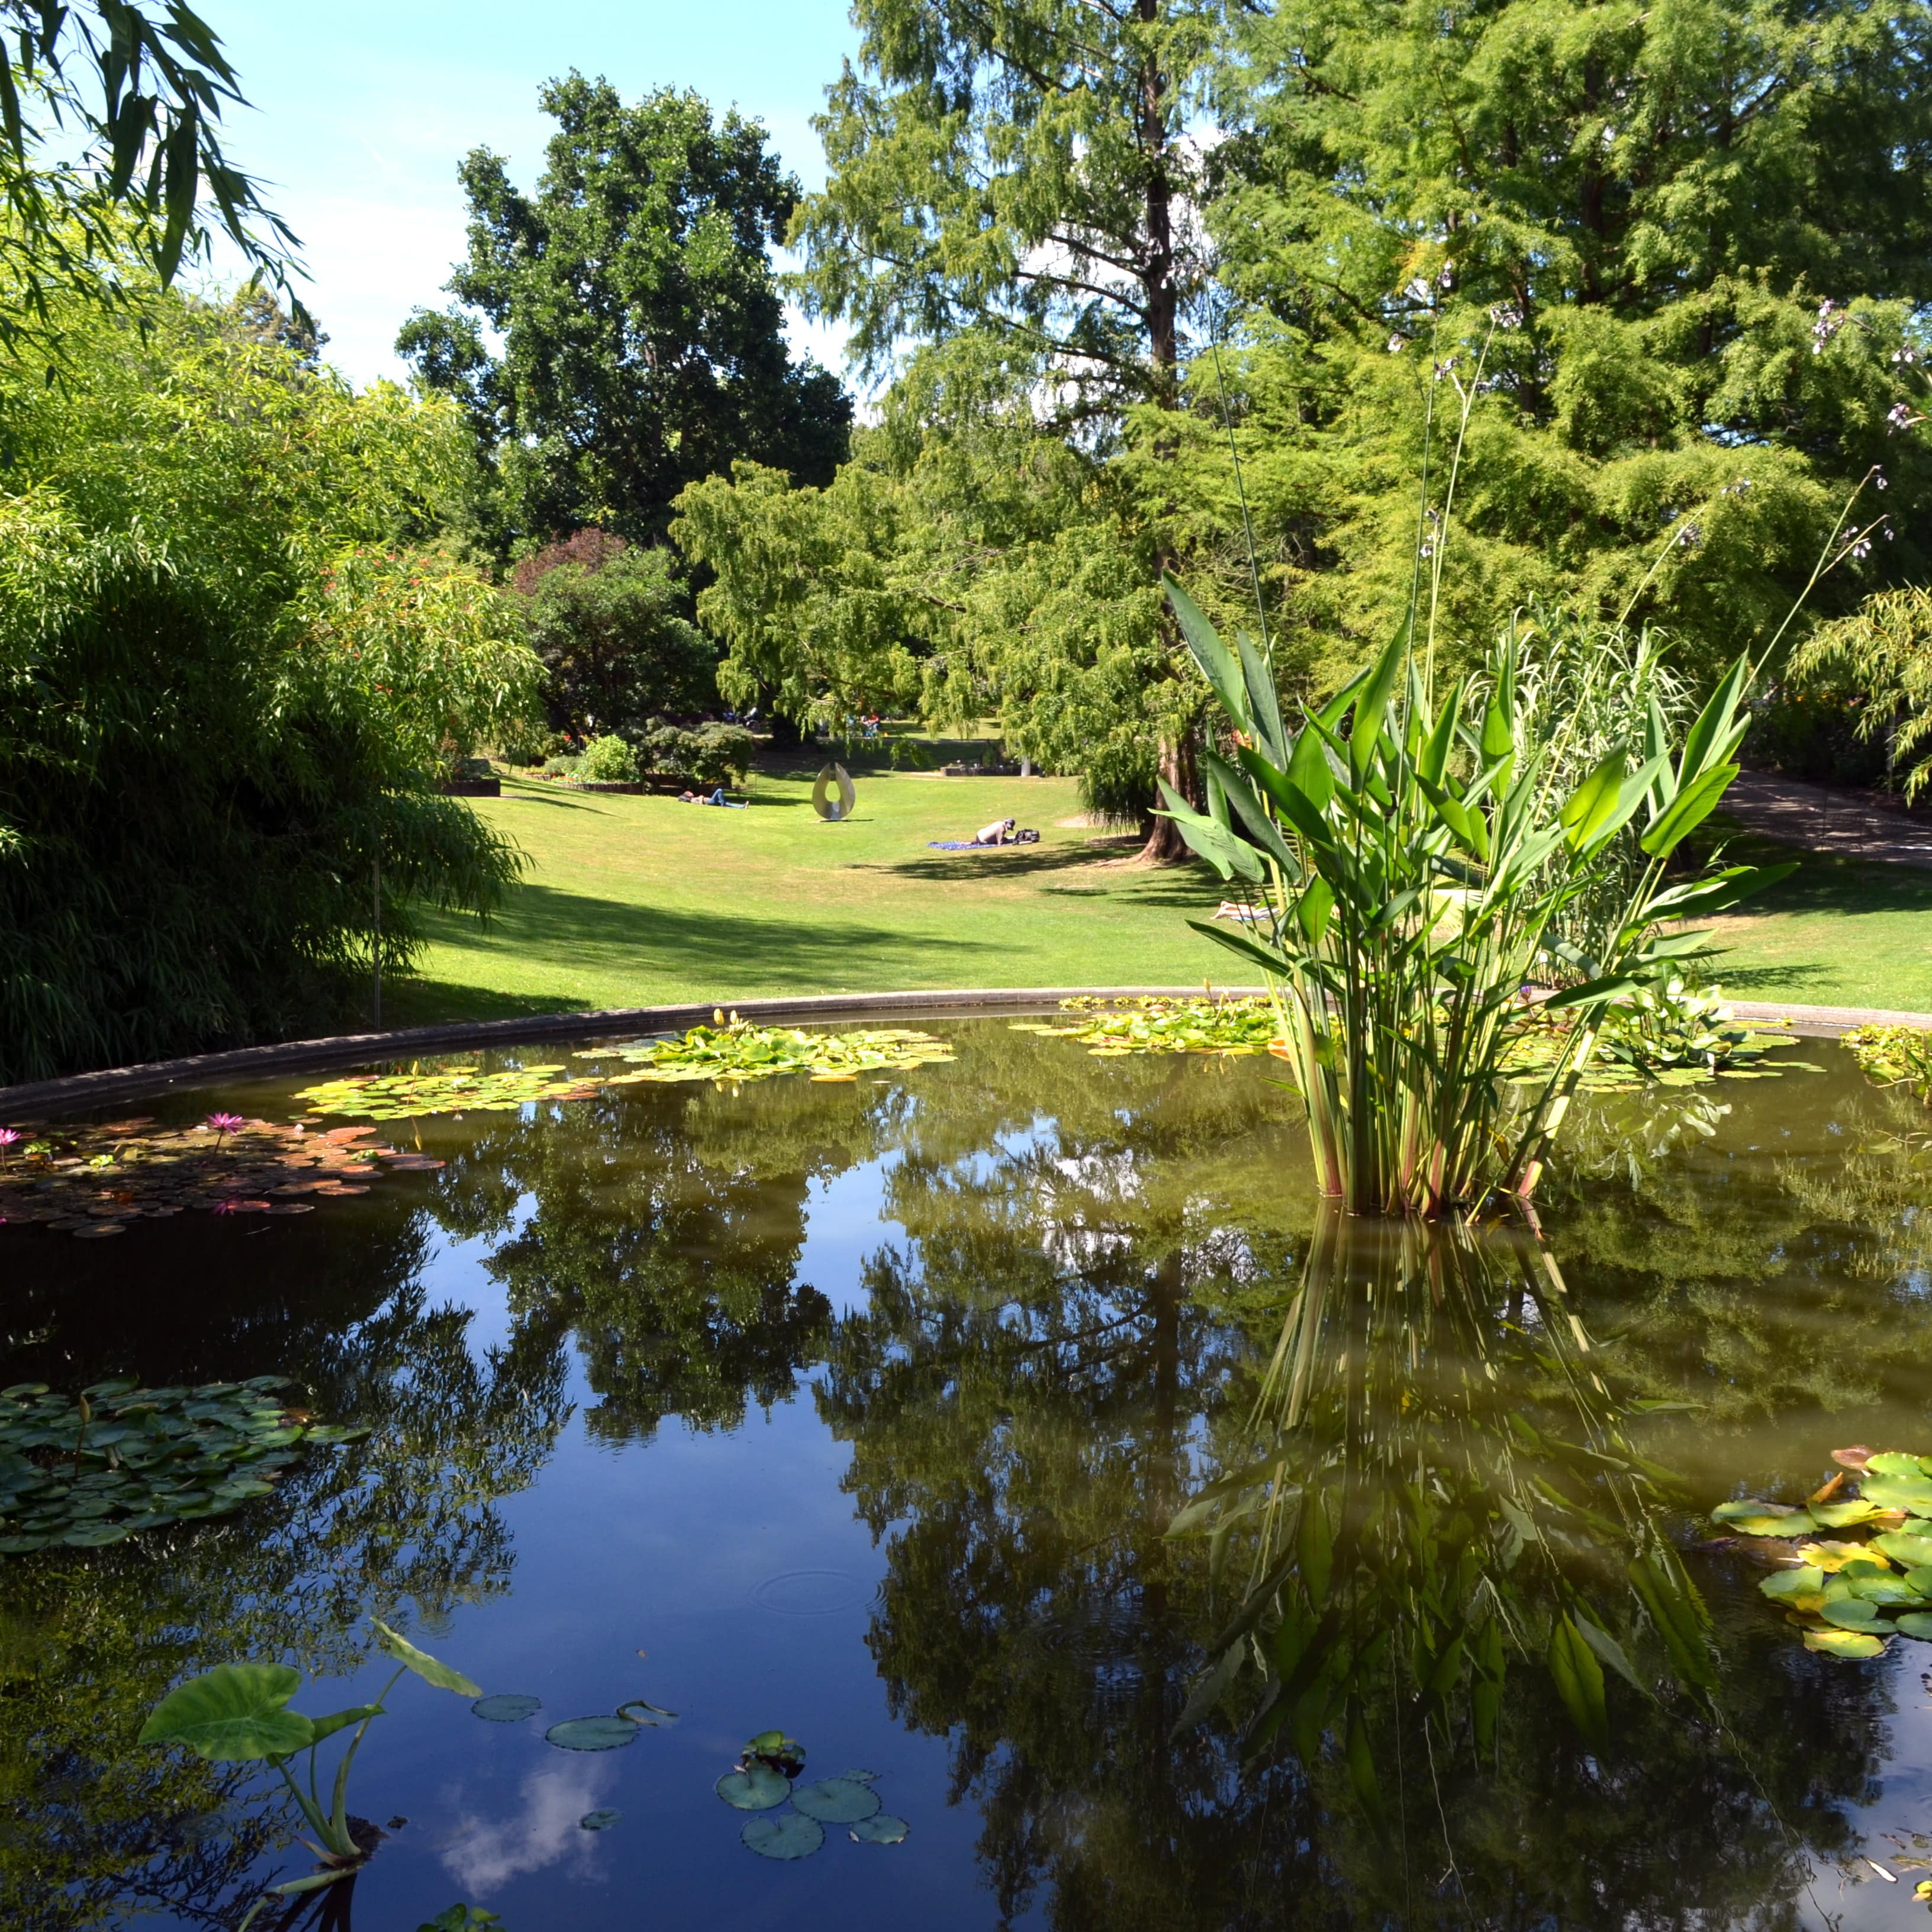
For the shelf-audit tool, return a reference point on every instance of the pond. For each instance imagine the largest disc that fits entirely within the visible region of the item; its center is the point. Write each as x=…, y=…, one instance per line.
x=861, y=1411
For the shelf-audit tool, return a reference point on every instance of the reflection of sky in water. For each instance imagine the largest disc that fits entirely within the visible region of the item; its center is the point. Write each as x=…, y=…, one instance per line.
x=483, y=1854
x=845, y=1223
x=455, y=1272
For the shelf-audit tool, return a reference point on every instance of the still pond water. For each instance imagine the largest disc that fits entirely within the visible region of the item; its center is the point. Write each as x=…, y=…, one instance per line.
x=861, y=1411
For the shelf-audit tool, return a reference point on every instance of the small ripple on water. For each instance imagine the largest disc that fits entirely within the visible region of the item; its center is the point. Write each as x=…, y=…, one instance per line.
x=811, y=1593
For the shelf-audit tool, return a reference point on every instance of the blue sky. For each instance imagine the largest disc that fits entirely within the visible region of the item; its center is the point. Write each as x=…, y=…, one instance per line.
x=362, y=111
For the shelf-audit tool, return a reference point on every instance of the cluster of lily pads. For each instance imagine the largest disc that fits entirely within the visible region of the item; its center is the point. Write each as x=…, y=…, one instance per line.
x=1670, y=1036
x=461, y=1089
x=603, y=1731
x=1855, y=1569
x=1154, y=1023
x=1894, y=1056
x=91, y=1180
x=733, y=1049
x=766, y=1776
x=122, y=1459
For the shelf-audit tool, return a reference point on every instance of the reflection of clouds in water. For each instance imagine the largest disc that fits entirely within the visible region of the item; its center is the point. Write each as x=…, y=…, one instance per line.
x=485, y=1855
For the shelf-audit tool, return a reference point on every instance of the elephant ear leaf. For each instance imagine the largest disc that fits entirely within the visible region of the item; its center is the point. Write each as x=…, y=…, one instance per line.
x=424, y=1666
x=234, y=1714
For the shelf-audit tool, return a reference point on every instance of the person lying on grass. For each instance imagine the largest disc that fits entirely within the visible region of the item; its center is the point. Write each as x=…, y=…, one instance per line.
x=1001, y=832
x=715, y=798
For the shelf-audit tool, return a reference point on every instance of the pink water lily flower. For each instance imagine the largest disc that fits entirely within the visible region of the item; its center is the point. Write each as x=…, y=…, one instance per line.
x=224, y=1124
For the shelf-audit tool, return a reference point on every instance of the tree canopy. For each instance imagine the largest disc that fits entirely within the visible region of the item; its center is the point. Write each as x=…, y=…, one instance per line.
x=642, y=326
x=1677, y=254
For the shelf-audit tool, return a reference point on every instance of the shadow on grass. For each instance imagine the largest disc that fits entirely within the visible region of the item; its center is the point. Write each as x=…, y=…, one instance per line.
x=415, y=1002
x=1830, y=882
x=727, y=949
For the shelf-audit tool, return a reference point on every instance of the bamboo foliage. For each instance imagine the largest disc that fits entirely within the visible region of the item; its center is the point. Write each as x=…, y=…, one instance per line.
x=1407, y=869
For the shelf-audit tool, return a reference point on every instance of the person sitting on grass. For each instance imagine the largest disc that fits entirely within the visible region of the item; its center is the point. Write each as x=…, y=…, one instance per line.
x=1000, y=833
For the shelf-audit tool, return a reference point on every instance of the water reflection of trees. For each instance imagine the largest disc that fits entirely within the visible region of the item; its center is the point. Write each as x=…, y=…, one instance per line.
x=1039, y=1377
x=403, y=1527
x=1061, y=1347
x=663, y=1231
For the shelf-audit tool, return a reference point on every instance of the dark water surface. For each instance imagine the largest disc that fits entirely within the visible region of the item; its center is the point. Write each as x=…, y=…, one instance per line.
x=861, y=1411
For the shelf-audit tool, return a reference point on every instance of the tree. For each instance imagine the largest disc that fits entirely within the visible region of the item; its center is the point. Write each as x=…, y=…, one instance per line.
x=1660, y=199
x=133, y=104
x=230, y=670
x=1025, y=171
x=964, y=561
x=643, y=333
x=607, y=620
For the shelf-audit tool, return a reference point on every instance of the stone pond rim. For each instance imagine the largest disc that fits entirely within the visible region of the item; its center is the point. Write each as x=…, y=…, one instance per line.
x=112, y=1084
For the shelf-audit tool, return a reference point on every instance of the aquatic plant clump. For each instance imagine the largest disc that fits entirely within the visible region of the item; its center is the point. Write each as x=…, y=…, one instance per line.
x=765, y=1776
x=91, y=1181
x=1670, y=1035
x=121, y=1458
x=1894, y=1056
x=1154, y=1023
x=734, y=1049
x=458, y=1090
x=1855, y=1567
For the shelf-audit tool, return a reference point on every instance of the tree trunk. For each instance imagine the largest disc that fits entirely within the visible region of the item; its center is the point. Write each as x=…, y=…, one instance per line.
x=1165, y=845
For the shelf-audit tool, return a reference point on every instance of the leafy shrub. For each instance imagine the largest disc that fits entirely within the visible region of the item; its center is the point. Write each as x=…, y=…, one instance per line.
x=607, y=620
x=712, y=755
x=227, y=682
x=563, y=765
x=608, y=760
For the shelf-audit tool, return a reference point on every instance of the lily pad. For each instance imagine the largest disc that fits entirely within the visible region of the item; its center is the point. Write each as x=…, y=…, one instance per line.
x=592, y=1734
x=1913, y=1495
x=601, y=1820
x=787, y=1836
x=1155, y=1023
x=1892, y=1462
x=132, y=1459
x=836, y=1801
x=757, y=1788
x=654, y=1717
x=454, y=1088
x=1800, y=1589
x=881, y=1829
x=1909, y=1551
x=1844, y=1643
x=508, y=1707
x=1762, y=1519
x=1853, y=1613
x=735, y=1050
x=1916, y=1623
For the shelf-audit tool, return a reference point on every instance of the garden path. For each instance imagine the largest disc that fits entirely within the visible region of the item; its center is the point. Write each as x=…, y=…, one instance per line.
x=1851, y=822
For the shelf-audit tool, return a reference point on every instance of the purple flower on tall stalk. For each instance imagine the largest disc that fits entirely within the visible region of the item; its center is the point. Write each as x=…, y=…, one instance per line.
x=223, y=1125
x=8, y=1135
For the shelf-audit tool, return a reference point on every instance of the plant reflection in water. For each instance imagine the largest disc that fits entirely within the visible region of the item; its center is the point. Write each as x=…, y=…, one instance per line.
x=1065, y=1342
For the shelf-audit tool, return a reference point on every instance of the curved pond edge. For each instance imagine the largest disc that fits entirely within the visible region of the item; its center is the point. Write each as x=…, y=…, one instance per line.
x=116, y=1083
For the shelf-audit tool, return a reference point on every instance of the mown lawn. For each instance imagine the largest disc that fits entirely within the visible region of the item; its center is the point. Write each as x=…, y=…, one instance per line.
x=630, y=902
x=1839, y=932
